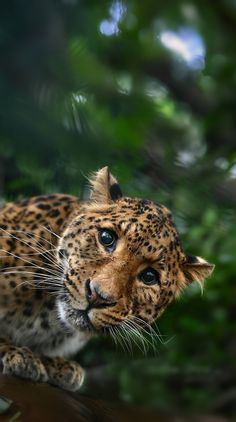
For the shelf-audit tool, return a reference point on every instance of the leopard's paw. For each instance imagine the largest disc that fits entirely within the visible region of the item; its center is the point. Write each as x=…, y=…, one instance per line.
x=64, y=373
x=20, y=361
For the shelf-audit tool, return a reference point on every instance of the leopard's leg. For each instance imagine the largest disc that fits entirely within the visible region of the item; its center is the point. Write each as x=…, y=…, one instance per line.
x=64, y=373
x=21, y=362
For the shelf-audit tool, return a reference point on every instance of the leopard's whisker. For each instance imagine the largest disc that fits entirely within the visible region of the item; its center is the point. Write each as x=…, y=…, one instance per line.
x=37, y=286
x=154, y=332
x=35, y=275
x=113, y=334
x=49, y=251
x=37, y=278
x=150, y=331
x=128, y=339
x=161, y=336
x=27, y=261
x=126, y=332
x=47, y=264
x=136, y=336
x=21, y=266
x=40, y=246
x=45, y=251
x=121, y=338
x=50, y=268
x=52, y=232
x=24, y=254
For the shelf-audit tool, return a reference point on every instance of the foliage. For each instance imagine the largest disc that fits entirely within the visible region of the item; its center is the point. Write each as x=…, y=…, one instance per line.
x=147, y=88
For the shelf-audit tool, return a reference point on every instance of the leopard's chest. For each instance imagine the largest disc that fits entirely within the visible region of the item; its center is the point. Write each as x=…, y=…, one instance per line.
x=44, y=333
x=69, y=344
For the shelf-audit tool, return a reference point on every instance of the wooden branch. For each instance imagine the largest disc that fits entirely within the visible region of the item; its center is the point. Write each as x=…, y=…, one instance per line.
x=33, y=402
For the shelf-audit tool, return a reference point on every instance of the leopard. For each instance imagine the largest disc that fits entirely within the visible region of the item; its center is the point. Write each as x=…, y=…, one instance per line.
x=73, y=269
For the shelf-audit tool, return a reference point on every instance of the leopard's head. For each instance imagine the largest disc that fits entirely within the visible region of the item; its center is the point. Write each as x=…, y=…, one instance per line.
x=123, y=260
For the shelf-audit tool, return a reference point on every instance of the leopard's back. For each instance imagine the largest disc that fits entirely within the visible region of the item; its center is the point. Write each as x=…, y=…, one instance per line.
x=29, y=272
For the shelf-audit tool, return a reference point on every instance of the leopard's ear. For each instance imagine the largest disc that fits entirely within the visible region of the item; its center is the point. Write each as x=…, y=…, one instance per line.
x=196, y=268
x=104, y=186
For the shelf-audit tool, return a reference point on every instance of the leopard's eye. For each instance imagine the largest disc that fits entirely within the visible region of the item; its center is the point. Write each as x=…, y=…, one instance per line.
x=149, y=276
x=107, y=238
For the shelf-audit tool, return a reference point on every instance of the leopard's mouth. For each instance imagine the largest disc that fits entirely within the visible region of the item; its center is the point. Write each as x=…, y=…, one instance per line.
x=88, y=319
x=84, y=322
x=75, y=318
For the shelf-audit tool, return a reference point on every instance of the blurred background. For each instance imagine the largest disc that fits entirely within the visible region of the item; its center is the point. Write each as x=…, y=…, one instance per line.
x=147, y=88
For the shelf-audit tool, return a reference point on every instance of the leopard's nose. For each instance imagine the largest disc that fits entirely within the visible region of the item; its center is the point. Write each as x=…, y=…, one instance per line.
x=95, y=297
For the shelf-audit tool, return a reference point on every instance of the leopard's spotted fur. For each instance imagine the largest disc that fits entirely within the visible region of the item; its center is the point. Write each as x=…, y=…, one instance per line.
x=59, y=285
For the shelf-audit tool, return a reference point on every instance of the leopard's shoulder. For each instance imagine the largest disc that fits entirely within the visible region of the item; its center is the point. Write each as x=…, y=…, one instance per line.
x=52, y=210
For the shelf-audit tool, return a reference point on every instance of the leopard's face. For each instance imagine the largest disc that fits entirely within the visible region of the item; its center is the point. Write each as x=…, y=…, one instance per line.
x=122, y=263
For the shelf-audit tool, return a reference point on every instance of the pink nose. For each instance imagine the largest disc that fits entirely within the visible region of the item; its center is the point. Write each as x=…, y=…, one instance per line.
x=95, y=297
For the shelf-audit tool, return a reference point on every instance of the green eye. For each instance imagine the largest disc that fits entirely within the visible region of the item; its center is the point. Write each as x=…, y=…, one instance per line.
x=107, y=238
x=150, y=276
